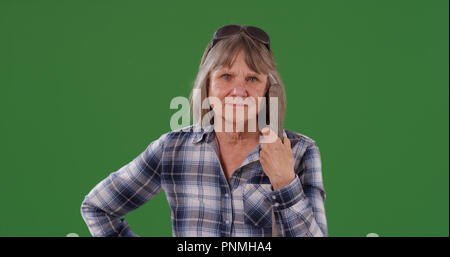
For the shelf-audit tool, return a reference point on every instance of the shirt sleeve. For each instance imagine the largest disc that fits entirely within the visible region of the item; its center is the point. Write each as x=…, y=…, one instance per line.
x=122, y=192
x=299, y=207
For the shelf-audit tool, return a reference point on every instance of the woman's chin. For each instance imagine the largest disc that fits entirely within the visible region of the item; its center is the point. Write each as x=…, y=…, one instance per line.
x=233, y=125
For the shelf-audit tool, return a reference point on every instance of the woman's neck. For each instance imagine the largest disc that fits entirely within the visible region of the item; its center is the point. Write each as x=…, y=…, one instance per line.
x=236, y=138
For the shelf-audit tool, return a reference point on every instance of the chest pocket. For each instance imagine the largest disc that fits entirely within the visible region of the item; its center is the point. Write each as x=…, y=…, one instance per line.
x=257, y=205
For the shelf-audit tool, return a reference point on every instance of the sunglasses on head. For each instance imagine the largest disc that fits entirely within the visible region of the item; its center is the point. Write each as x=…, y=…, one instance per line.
x=229, y=30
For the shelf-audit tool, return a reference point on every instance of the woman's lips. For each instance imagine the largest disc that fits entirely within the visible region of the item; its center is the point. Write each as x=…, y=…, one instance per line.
x=238, y=105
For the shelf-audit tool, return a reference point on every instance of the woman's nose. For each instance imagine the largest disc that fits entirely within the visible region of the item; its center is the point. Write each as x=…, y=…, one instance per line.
x=239, y=90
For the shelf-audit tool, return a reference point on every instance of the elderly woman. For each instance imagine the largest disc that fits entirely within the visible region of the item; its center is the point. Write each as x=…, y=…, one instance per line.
x=217, y=182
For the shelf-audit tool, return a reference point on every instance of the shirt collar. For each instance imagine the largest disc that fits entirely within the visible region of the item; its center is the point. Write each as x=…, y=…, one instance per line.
x=200, y=133
x=207, y=134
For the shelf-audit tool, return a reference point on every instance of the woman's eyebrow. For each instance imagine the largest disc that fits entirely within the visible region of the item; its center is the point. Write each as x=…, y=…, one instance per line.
x=248, y=74
x=254, y=74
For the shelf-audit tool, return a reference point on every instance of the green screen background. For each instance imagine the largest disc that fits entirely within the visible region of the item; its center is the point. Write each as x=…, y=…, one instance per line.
x=85, y=86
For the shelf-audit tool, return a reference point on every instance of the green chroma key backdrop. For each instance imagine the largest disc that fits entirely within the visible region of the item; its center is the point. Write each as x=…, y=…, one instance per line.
x=85, y=86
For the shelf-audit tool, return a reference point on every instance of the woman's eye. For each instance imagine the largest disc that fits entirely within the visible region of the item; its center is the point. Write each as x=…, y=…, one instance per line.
x=253, y=79
x=226, y=76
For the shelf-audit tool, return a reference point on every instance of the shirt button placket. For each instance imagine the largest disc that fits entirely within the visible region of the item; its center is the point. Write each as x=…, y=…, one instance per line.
x=227, y=218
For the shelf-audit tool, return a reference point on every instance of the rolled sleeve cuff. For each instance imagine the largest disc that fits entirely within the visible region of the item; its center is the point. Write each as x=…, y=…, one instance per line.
x=288, y=195
x=126, y=231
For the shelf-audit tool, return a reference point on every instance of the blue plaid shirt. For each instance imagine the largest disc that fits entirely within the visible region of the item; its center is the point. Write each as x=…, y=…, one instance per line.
x=185, y=164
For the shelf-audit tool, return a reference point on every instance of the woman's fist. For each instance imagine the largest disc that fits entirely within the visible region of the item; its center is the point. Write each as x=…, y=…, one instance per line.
x=276, y=159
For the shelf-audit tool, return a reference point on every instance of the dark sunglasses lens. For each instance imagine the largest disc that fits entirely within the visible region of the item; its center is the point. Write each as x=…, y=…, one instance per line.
x=259, y=34
x=227, y=30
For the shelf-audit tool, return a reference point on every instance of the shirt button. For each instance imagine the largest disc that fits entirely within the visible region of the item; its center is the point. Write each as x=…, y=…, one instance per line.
x=277, y=204
x=274, y=197
x=227, y=222
x=226, y=195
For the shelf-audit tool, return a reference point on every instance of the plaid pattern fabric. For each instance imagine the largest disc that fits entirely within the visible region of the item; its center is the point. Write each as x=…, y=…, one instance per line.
x=184, y=164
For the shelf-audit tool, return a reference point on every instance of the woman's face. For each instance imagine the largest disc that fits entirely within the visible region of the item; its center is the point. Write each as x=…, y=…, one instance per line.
x=236, y=84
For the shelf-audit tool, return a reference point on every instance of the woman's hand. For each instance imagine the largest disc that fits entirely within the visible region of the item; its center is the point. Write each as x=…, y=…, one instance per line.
x=276, y=159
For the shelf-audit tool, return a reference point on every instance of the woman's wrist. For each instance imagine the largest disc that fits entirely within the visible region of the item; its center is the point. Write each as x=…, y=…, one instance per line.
x=280, y=184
